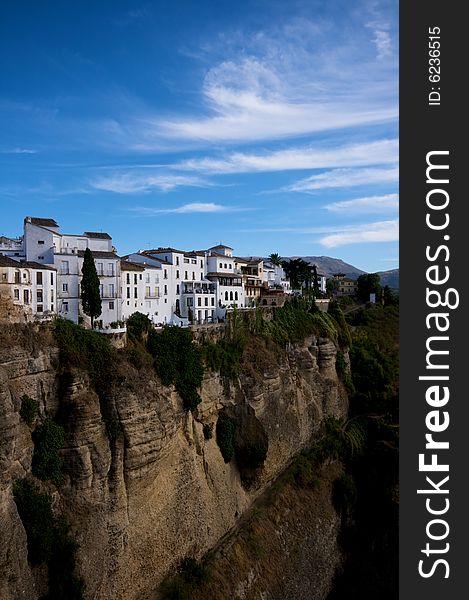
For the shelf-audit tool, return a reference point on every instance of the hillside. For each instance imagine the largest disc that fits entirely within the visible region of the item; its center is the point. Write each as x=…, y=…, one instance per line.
x=390, y=278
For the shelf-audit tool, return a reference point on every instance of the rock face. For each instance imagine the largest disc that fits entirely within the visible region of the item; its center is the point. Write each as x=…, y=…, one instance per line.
x=156, y=490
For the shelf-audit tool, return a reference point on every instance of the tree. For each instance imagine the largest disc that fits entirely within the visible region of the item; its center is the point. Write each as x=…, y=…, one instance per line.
x=275, y=259
x=367, y=284
x=90, y=296
x=298, y=272
x=316, y=289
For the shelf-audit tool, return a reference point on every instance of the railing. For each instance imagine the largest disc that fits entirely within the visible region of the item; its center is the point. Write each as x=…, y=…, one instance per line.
x=107, y=295
x=152, y=295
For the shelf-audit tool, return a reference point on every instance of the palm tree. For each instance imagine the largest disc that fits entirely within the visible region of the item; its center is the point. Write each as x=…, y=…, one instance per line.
x=275, y=259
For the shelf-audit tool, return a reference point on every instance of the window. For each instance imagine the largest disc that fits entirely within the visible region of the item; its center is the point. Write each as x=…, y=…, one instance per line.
x=190, y=302
x=52, y=308
x=147, y=277
x=101, y=290
x=201, y=264
x=111, y=305
x=177, y=262
x=147, y=291
x=128, y=278
x=111, y=290
x=100, y=268
x=16, y=294
x=165, y=274
x=231, y=295
x=65, y=307
x=221, y=265
x=236, y=295
x=226, y=266
x=64, y=267
x=140, y=277
x=39, y=257
x=231, y=266
x=199, y=302
x=40, y=242
x=226, y=295
x=52, y=278
x=206, y=301
x=110, y=269
x=135, y=279
x=193, y=276
x=64, y=287
x=177, y=289
x=39, y=278
x=177, y=274
x=185, y=275
x=26, y=296
x=213, y=301
x=165, y=290
x=39, y=308
x=4, y=276
x=135, y=292
x=128, y=292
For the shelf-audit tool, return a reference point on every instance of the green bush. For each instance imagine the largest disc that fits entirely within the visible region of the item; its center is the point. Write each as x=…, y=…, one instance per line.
x=225, y=431
x=224, y=357
x=178, y=361
x=138, y=326
x=46, y=464
x=29, y=409
x=208, y=431
x=49, y=541
x=35, y=511
x=85, y=349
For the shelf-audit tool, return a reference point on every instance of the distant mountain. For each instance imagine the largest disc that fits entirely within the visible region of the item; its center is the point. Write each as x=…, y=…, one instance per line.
x=390, y=278
x=330, y=266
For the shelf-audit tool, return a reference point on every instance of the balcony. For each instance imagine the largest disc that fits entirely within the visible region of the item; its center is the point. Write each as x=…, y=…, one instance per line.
x=150, y=296
x=109, y=295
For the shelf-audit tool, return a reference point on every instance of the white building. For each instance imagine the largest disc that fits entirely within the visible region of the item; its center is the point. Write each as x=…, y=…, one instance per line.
x=30, y=285
x=224, y=271
x=43, y=243
x=184, y=286
x=140, y=279
x=275, y=277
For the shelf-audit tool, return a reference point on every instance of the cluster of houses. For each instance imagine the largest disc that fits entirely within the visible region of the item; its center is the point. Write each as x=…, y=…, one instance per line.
x=41, y=272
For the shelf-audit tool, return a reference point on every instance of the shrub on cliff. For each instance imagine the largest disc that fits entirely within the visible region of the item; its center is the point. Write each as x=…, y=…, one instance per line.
x=138, y=327
x=225, y=432
x=178, y=361
x=29, y=409
x=47, y=464
x=85, y=349
x=49, y=541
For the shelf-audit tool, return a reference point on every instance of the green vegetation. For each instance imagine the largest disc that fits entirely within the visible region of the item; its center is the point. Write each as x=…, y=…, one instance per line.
x=208, y=431
x=49, y=541
x=368, y=283
x=224, y=357
x=178, y=361
x=138, y=327
x=190, y=575
x=89, y=285
x=29, y=409
x=87, y=350
x=35, y=511
x=46, y=464
x=225, y=431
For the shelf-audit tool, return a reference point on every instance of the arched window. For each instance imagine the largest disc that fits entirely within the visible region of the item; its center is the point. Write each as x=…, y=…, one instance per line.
x=231, y=295
x=226, y=295
x=236, y=295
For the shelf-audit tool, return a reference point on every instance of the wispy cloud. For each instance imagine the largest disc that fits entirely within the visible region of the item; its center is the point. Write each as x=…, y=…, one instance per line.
x=369, y=204
x=306, y=157
x=381, y=231
x=131, y=183
x=18, y=151
x=194, y=207
x=338, y=178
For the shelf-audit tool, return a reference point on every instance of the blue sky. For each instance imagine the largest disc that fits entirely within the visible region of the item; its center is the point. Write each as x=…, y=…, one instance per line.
x=270, y=126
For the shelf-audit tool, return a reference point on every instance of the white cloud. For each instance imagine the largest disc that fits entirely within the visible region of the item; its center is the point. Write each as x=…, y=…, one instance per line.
x=194, y=207
x=338, y=178
x=130, y=183
x=308, y=157
x=381, y=231
x=19, y=151
x=369, y=204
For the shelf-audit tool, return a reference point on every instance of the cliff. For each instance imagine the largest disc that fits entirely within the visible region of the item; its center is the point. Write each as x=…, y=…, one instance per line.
x=143, y=487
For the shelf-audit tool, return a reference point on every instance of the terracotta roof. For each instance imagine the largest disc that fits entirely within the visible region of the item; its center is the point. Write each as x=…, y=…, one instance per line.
x=41, y=222
x=6, y=261
x=98, y=235
x=126, y=265
x=99, y=254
